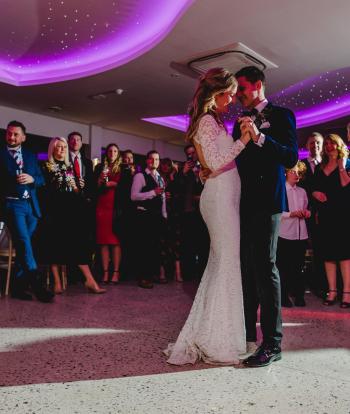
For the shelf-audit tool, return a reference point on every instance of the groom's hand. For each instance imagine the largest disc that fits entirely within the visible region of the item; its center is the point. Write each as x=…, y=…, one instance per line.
x=204, y=174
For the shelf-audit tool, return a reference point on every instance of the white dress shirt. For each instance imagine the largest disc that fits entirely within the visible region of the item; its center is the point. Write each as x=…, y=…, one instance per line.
x=73, y=156
x=294, y=228
x=139, y=182
x=313, y=162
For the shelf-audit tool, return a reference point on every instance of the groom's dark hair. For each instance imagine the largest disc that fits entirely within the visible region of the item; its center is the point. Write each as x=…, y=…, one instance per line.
x=252, y=74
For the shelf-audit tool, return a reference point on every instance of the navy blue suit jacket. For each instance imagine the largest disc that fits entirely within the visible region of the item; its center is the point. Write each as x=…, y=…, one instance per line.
x=8, y=184
x=262, y=169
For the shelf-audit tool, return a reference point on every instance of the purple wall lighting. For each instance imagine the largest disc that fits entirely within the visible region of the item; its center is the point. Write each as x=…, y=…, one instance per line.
x=315, y=101
x=59, y=40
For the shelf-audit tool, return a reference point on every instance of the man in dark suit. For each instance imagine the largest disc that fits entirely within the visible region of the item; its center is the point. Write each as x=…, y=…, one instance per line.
x=318, y=281
x=84, y=177
x=261, y=167
x=83, y=169
x=20, y=176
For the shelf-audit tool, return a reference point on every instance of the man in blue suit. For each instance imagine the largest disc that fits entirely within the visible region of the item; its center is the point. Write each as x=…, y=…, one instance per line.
x=20, y=175
x=263, y=198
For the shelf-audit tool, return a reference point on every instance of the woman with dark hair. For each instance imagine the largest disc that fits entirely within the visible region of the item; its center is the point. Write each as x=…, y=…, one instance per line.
x=214, y=331
x=331, y=189
x=108, y=177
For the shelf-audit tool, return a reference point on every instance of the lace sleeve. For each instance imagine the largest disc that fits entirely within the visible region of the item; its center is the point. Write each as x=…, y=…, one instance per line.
x=206, y=136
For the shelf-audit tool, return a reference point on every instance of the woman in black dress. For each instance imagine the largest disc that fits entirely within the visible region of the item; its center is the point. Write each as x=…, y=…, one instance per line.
x=331, y=189
x=66, y=241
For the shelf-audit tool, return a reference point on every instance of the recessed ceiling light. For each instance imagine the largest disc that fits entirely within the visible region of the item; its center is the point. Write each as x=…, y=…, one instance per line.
x=55, y=108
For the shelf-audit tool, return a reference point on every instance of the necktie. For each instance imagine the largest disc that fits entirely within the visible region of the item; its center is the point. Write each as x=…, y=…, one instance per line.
x=17, y=156
x=76, y=167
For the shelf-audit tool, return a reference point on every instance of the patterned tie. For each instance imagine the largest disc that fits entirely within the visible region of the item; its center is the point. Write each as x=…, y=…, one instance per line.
x=17, y=156
x=76, y=167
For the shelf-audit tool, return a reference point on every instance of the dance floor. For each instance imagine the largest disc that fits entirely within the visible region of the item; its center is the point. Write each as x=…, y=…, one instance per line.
x=102, y=354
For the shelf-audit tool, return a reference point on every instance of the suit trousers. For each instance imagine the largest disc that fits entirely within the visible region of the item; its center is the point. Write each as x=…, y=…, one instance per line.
x=22, y=222
x=260, y=276
x=290, y=262
x=147, y=244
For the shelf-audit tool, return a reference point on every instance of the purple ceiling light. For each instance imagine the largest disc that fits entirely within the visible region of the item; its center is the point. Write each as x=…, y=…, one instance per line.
x=316, y=100
x=60, y=40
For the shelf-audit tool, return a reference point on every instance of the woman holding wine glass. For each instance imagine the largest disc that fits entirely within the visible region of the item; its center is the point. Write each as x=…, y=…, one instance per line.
x=108, y=177
x=62, y=242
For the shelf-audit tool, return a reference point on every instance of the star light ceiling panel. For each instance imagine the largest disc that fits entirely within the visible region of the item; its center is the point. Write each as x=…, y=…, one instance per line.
x=50, y=41
x=315, y=100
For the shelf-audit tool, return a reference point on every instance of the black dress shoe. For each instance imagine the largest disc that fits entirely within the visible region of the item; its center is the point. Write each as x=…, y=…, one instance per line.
x=263, y=356
x=300, y=302
x=43, y=295
x=145, y=284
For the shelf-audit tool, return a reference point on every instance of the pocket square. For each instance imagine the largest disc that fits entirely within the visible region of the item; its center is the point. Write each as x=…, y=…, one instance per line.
x=265, y=125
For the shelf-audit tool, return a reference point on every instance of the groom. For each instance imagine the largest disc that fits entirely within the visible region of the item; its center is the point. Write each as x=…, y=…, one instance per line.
x=261, y=167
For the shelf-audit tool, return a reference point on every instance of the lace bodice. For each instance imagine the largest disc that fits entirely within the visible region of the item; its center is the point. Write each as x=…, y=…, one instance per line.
x=217, y=146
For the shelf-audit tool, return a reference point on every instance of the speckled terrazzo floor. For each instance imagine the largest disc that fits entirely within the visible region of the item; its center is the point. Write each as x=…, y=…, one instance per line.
x=102, y=354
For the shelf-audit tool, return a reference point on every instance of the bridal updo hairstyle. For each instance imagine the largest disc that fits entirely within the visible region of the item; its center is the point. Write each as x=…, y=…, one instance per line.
x=211, y=83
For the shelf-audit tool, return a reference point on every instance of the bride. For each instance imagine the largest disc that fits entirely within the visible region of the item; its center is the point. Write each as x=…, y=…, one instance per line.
x=214, y=331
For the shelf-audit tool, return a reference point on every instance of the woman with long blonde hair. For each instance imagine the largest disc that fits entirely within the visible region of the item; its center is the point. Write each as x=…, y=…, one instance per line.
x=108, y=177
x=214, y=331
x=64, y=245
x=331, y=189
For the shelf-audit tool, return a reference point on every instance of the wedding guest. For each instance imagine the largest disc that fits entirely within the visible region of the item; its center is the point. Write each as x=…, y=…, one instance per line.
x=292, y=241
x=317, y=282
x=82, y=166
x=108, y=177
x=20, y=176
x=194, y=235
x=147, y=192
x=170, y=242
x=64, y=242
x=128, y=160
x=84, y=178
x=124, y=218
x=331, y=189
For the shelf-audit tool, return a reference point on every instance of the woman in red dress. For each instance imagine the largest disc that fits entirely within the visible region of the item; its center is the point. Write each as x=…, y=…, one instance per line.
x=108, y=176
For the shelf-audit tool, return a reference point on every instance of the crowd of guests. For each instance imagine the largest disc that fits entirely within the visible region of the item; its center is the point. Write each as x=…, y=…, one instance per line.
x=146, y=223
x=65, y=213
x=318, y=193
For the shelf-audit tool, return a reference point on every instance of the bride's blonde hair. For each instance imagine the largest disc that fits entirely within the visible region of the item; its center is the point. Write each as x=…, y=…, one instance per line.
x=212, y=83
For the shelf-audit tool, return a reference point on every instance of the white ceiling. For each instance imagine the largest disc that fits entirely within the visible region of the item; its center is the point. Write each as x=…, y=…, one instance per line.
x=303, y=37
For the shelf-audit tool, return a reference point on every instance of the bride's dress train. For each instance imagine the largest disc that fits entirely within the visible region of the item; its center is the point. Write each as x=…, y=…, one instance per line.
x=214, y=330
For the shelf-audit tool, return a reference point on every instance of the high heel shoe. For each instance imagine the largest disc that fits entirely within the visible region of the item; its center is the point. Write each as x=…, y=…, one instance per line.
x=344, y=304
x=115, y=280
x=330, y=302
x=94, y=288
x=105, y=279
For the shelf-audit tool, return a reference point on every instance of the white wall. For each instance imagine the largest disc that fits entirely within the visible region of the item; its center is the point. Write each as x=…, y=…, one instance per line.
x=47, y=126
x=94, y=135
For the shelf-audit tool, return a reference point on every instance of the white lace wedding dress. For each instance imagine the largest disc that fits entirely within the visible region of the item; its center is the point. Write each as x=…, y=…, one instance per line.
x=214, y=331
